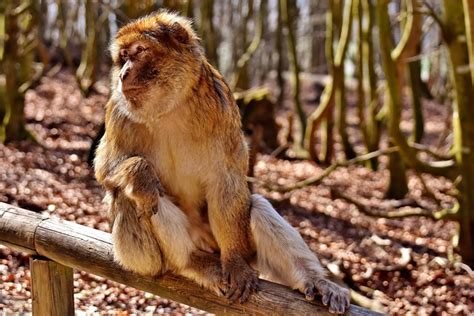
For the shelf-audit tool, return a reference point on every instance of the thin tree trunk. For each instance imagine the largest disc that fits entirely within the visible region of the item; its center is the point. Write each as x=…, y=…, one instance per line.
x=2, y=71
x=338, y=74
x=279, y=47
x=414, y=80
x=295, y=70
x=370, y=84
x=369, y=81
x=398, y=186
x=394, y=76
x=241, y=79
x=463, y=121
x=334, y=92
x=469, y=21
x=189, y=9
x=87, y=71
x=134, y=9
x=207, y=31
x=14, y=124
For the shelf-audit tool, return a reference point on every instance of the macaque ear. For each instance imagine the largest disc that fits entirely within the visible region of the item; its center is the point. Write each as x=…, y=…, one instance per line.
x=171, y=34
x=179, y=33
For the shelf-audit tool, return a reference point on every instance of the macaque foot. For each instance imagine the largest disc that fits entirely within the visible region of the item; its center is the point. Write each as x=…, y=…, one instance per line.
x=334, y=295
x=146, y=199
x=241, y=280
x=147, y=209
x=217, y=283
x=206, y=269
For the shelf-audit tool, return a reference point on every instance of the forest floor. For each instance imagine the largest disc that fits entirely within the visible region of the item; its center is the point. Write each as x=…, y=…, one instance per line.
x=400, y=264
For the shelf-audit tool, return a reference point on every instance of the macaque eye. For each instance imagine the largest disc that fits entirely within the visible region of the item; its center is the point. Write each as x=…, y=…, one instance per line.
x=140, y=49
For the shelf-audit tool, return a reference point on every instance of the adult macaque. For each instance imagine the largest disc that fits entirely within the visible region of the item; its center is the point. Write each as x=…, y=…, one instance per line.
x=174, y=162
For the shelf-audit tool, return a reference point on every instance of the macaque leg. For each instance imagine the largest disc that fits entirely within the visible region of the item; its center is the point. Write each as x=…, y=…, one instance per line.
x=171, y=228
x=284, y=257
x=135, y=246
x=152, y=246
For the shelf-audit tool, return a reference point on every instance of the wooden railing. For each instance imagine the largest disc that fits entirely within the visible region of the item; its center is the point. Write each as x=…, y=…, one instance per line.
x=57, y=246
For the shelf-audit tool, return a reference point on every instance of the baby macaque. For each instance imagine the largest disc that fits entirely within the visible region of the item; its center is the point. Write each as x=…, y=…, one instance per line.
x=173, y=161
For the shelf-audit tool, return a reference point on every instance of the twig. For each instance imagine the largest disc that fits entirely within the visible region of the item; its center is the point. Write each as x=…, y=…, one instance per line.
x=428, y=191
x=279, y=150
x=356, y=296
x=431, y=152
x=366, y=302
x=446, y=213
x=317, y=179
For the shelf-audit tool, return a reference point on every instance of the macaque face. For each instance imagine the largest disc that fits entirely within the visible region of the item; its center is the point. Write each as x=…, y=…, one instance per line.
x=155, y=61
x=139, y=68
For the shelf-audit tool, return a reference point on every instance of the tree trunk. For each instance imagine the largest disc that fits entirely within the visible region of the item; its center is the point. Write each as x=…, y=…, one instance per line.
x=370, y=81
x=463, y=121
x=134, y=9
x=344, y=23
x=279, y=48
x=288, y=22
x=317, y=62
x=87, y=71
x=241, y=79
x=17, y=69
x=469, y=21
x=207, y=31
x=189, y=9
x=398, y=185
x=337, y=21
x=2, y=71
x=415, y=84
x=394, y=76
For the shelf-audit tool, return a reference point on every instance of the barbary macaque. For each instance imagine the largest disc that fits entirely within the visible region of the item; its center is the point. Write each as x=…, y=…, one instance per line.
x=173, y=161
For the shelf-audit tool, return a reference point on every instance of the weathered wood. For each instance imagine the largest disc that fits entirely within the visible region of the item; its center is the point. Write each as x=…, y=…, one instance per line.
x=17, y=227
x=90, y=250
x=52, y=287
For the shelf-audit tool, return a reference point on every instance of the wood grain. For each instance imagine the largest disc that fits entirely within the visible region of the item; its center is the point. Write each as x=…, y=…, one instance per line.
x=52, y=288
x=17, y=227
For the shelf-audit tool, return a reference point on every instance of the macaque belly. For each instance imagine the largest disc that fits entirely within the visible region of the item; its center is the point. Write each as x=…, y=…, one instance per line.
x=199, y=227
x=180, y=178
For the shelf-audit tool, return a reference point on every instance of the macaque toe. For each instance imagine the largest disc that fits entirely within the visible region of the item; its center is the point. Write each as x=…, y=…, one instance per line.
x=326, y=298
x=246, y=293
x=332, y=295
x=220, y=289
x=242, y=281
x=146, y=210
x=309, y=291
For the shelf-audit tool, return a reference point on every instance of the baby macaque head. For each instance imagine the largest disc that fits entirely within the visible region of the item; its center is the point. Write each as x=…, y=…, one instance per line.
x=156, y=59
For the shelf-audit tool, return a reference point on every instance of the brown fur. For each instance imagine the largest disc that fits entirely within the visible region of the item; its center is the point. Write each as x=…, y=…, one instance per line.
x=173, y=160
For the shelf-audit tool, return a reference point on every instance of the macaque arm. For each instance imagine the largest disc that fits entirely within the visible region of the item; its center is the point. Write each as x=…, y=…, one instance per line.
x=229, y=217
x=136, y=178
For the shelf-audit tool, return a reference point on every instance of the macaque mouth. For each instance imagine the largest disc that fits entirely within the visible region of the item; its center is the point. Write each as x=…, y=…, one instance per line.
x=129, y=88
x=149, y=72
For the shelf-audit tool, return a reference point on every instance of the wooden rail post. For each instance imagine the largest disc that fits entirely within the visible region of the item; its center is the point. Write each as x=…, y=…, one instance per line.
x=52, y=288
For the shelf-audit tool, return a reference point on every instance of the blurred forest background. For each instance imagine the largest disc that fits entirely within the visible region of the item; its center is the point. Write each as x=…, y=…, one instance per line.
x=359, y=113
